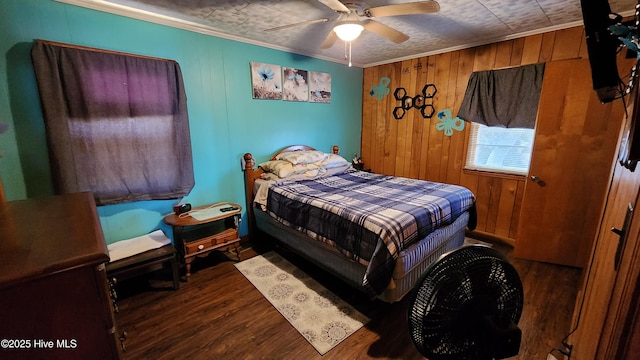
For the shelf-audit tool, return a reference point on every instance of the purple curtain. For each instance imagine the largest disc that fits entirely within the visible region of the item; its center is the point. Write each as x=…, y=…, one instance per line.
x=506, y=98
x=116, y=124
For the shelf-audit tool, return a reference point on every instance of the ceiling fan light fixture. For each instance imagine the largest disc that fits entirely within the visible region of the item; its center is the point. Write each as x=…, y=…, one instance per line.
x=348, y=31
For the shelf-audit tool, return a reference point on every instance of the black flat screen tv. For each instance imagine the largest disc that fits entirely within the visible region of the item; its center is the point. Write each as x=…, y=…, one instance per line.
x=602, y=48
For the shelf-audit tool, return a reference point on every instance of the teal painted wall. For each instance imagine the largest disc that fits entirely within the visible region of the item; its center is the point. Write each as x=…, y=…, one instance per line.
x=225, y=121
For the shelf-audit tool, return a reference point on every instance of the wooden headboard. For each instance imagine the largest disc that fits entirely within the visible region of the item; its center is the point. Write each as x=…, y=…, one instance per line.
x=251, y=174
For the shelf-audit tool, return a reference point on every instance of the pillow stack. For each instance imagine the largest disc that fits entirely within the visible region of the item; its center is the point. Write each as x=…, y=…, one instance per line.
x=306, y=164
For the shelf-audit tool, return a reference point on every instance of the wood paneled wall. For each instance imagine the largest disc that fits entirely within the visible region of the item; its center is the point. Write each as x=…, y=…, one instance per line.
x=413, y=147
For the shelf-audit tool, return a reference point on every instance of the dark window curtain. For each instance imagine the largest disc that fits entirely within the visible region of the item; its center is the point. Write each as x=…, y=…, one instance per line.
x=116, y=124
x=505, y=98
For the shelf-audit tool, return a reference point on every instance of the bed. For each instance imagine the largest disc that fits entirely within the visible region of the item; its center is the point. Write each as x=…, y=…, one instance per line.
x=377, y=233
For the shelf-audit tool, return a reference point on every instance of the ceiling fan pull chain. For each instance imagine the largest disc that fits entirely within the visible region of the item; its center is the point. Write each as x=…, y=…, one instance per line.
x=345, y=50
x=348, y=58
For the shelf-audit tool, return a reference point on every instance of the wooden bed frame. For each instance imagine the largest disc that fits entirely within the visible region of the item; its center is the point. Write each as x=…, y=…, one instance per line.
x=408, y=270
x=251, y=175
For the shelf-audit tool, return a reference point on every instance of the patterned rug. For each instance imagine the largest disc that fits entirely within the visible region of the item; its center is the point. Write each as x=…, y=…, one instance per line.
x=319, y=316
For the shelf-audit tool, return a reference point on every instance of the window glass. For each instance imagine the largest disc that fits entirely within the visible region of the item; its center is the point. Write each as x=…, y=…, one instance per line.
x=498, y=149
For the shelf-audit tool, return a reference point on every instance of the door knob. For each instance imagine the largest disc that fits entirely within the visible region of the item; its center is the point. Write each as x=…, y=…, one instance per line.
x=537, y=180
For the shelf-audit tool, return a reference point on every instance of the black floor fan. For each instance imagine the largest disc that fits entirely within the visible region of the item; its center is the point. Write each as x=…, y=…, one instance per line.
x=466, y=306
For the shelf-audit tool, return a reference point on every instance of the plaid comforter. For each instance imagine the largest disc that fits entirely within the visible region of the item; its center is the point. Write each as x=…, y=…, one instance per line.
x=368, y=217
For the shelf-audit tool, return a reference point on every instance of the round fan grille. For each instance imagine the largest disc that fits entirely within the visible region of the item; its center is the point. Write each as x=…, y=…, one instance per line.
x=457, y=292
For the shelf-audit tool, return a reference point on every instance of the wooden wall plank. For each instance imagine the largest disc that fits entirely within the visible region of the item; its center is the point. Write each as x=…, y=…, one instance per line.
x=485, y=57
x=505, y=206
x=531, y=50
x=369, y=108
x=415, y=69
x=567, y=44
x=483, y=197
x=383, y=110
x=391, y=124
x=403, y=138
x=583, y=53
x=418, y=128
x=451, y=161
x=503, y=54
x=441, y=155
x=517, y=51
x=427, y=149
x=546, y=49
x=452, y=82
x=517, y=205
x=462, y=68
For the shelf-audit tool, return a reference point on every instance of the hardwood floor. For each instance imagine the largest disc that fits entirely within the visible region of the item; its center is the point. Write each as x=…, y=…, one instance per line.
x=218, y=314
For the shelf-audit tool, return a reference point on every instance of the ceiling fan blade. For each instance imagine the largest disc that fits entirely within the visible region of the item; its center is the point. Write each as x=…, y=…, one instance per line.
x=385, y=31
x=329, y=40
x=308, y=22
x=419, y=7
x=335, y=5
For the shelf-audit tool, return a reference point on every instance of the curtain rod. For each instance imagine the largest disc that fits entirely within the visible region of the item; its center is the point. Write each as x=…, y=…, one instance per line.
x=80, y=47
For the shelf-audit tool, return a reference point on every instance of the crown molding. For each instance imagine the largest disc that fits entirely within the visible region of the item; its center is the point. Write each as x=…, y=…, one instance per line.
x=127, y=11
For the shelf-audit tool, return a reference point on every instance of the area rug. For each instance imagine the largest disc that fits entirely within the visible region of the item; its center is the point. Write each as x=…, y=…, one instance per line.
x=319, y=316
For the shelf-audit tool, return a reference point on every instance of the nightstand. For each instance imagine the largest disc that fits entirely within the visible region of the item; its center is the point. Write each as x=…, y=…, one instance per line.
x=204, y=229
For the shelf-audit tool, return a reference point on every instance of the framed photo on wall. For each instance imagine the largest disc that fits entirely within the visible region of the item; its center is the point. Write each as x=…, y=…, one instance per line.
x=319, y=87
x=266, y=81
x=295, y=84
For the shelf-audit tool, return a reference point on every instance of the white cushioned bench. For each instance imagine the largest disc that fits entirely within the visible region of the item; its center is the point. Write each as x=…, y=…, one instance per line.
x=140, y=255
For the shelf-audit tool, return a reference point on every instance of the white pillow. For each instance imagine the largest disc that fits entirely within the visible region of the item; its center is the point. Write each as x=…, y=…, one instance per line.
x=284, y=169
x=303, y=156
x=338, y=170
x=307, y=175
x=333, y=161
x=305, y=168
x=281, y=168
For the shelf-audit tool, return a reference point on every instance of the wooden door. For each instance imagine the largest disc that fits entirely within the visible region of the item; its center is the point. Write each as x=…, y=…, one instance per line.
x=606, y=320
x=571, y=164
x=607, y=290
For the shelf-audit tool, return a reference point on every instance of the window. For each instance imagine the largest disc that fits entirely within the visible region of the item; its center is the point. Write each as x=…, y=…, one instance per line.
x=117, y=124
x=498, y=149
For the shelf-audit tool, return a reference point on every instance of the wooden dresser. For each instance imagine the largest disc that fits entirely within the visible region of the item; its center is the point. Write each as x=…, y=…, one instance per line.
x=54, y=296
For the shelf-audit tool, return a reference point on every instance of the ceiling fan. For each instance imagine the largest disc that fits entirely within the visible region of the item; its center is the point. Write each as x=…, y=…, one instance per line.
x=354, y=17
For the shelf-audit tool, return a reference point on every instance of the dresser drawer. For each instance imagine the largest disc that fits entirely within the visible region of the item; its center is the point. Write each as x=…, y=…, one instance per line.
x=225, y=236
x=205, y=243
x=199, y=245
